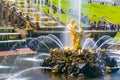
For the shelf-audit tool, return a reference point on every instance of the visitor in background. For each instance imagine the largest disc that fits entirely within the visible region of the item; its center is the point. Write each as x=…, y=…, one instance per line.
x=115, y=27
x=103, y=24
x=108, y=26
x=89, y=1
x=94, y=25
x=118, y=27
x=112, y=27
x=98, y=25
x=85, y=19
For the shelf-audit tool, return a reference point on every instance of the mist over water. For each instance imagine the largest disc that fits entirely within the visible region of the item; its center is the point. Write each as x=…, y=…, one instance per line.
x=75, y=10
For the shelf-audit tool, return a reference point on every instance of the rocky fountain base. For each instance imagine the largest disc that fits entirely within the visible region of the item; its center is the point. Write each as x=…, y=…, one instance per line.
x=87, y=62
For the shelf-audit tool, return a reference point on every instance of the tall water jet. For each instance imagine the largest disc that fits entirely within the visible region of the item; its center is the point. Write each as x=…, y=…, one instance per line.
x=108, y=40
x=101, y=40
x=75, y=12
x=88, y=43
x=54, y=37
x=45, y=40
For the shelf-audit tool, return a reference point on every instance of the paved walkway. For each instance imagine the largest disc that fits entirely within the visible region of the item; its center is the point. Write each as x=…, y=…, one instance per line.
x=17, y=51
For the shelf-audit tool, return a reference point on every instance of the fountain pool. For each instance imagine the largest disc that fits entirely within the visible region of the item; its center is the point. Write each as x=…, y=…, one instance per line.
x=28, y=66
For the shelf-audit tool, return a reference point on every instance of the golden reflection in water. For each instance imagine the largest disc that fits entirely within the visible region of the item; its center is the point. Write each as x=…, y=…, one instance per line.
x=66, y=77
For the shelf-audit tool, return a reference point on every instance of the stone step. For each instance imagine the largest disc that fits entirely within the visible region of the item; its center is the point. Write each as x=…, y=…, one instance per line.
x=11, y=37
x=7, y=31
x=8, y=28
x=12, y=41
x=42, y=18
x=33, y=14
x=98, y=31
x=7, y=34
x=47, y=23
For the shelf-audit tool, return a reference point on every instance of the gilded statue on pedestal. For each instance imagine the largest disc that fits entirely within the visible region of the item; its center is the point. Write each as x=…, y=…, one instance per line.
x=76, y=35
x=28, y=26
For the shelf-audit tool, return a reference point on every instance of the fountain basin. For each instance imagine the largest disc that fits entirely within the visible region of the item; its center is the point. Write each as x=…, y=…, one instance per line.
x=74, y=63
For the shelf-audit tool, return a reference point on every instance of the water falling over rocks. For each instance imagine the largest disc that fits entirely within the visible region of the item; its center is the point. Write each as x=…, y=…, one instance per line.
x=44, y=43
x=76, y=62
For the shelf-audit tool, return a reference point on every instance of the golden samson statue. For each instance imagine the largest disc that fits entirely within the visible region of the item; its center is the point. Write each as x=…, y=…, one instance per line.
x=75, y=34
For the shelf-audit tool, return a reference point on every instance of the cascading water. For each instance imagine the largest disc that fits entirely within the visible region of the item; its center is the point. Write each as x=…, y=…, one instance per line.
x=113, y=46
x=30, y=64
x=38, y=48
x=110, y=39
x=41, y=56
x=99, y=54
x=89, y=42
x=44, y=45
x=4, y=62
x=7, y=57
x=101, y=40
x=36, y=44
x=14, y=66
x=7, y=61
x=14, y=46
x=27, y=73
x=47, y=39
x=55, y=38
x=66, y=39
